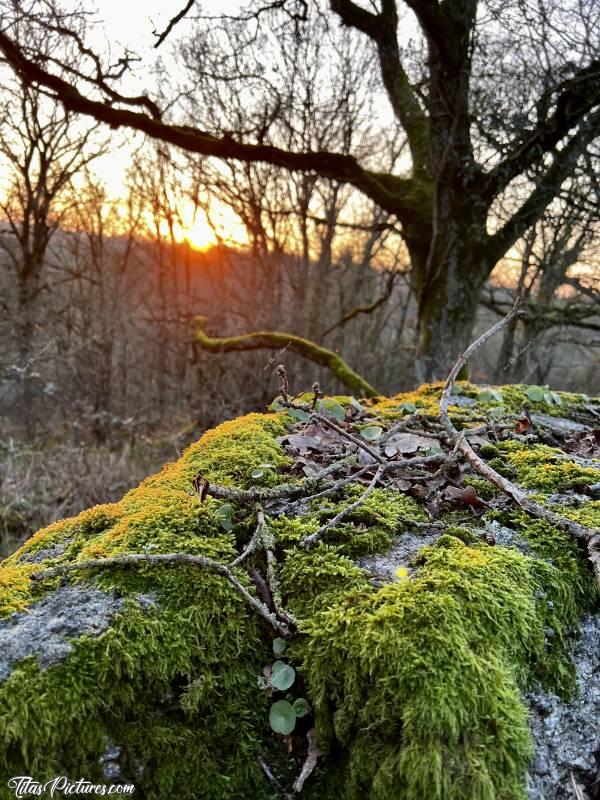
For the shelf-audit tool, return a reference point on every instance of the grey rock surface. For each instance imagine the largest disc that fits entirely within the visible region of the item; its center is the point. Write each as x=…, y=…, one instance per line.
x=383, y=567
x=45, y=553
x=561, y=425
x=567, y=735
x=47, y=628
x=506, y=537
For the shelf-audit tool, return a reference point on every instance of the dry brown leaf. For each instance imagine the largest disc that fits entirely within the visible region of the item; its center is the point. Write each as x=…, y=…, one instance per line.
x=466, y=495
x=405, y=443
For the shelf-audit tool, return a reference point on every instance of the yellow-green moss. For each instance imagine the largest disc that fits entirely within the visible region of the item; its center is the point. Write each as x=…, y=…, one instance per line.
x=415, y=686
x=418, y=682
x=545, y=468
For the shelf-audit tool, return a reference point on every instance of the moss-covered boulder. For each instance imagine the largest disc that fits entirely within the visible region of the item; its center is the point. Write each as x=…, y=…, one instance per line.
x=405, y=641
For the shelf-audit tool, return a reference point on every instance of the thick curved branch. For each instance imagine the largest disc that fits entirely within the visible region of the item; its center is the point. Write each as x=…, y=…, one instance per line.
x=273, y=340
x=382, y=30
x=432, y=23
x=576, y=97
x=388, y=191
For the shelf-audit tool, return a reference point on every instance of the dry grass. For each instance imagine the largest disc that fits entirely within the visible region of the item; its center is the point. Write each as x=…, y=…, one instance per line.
x=56, y=478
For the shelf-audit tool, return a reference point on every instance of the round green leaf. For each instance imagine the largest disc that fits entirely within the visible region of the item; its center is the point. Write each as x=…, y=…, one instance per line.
x=299, y=414
x=410, y=407
x=277, y=405
x=279, y=646
x=282, y=676
x=489, y=395
x=282, y=717
x=301, y=707
x=535, y=393
x=371, y=432
x=334, y=408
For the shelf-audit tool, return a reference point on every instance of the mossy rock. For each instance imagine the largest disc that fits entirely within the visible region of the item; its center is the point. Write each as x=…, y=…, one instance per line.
x=415, y=685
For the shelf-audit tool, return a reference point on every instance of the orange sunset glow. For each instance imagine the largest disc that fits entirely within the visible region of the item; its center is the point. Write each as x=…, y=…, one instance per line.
x=224, y=227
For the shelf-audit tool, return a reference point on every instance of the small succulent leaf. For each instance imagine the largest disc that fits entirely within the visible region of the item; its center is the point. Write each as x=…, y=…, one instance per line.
x=282, y=717
x=279, y=646
x=334, y=408
x=282, y=676
x=301, y=707
x=371, y=432
x=299, y=414
x=535, y=394
x=224, y=515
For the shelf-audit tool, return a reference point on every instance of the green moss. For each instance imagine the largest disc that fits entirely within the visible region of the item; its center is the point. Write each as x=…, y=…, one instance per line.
x=489, y=451
x=484, y=488
x=545, y=468
x=415, y=687
x=423, y=704
x=129, y=687
x=465, y=535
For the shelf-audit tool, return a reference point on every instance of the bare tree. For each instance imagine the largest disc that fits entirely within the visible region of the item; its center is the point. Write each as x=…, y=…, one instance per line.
x=43, y=151
x=464, y=159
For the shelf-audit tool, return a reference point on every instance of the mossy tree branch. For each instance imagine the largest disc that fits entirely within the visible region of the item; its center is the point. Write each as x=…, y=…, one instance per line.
x=275, y=340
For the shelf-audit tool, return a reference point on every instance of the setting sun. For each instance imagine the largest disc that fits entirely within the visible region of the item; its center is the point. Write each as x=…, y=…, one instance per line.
x=199, y=234
x=224, y=227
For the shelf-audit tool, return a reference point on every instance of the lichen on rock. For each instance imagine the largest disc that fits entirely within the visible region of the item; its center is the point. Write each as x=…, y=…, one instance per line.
x=416, y=644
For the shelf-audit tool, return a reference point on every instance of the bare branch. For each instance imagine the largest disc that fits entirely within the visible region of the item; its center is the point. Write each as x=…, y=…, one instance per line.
x=169, y=559
x=590, y=537
x=313, y=538
x=172, y=22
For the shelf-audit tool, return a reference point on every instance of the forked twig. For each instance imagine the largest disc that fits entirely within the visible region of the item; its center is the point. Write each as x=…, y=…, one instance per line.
x=313, y=538
x=587, y=536
x=168, y=559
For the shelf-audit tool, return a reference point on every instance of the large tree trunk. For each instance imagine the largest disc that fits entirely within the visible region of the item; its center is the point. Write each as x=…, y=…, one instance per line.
x=449, y=268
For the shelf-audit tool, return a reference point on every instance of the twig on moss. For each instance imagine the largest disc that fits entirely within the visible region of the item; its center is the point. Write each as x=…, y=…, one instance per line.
x=309, y=763
x=399, y=427
x=590, y=537
x=272, y=566
x=169, y=559
x=279, y=492
x=273, y=780
x=254, y=544
x=361, y=444
x=333, y=489
x=284, y=386
x=309, y=541
x=316, y=395
x=426, y=526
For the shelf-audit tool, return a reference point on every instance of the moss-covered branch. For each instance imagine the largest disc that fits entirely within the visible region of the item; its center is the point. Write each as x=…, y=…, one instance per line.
x=275, y=340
